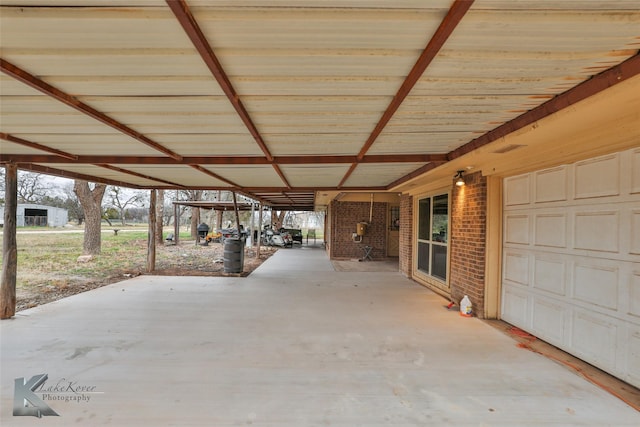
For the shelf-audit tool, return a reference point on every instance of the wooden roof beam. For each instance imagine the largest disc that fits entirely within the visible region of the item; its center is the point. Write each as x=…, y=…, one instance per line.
x=139, y=175
x=74, y=175
x=278, y=190
x=598, y=83
x=457, y=11
x=30, y=80
x=234, y=186
x=221, y=160
x=281, y=174
x=16, y=140
x=181, y=10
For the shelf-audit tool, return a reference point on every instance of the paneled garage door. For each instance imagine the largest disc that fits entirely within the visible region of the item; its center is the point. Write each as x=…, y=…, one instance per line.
x=571, y=259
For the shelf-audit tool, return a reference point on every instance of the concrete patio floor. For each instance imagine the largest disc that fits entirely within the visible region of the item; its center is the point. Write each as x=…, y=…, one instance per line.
x=296, y=343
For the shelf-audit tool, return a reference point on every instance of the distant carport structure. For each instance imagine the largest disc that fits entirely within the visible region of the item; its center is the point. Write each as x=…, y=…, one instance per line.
x=235, y=206
x=224, y=206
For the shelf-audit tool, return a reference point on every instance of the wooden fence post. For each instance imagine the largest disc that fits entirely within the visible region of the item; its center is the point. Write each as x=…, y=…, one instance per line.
x=151, y=242
x=9, y=244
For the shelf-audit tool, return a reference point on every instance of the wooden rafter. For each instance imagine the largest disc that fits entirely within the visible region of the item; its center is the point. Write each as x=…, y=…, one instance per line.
x=284, y=193
x=75, y=175
x=16, y=140
x=586, y=89
x=181, y=10
x=139, y=175
x=416, y=173
x=281, y=175
x=226, y=160
x=346, y=176
x=216, y=176
x=8, y=278
x=448, y=24
x=29, y=79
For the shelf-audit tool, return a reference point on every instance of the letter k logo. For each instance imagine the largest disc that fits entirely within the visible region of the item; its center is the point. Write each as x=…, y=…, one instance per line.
x=23, y=396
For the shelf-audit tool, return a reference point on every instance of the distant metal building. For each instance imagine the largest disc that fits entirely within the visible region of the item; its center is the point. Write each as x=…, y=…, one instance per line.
x=29, y=215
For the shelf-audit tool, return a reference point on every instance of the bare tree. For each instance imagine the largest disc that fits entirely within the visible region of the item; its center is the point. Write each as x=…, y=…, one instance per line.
x=278, y=219
x=32, y=187
x=72, y=203
x=316, y=219
x=121, y=200
x=168, y=212
x=194, y=195
x=91, y=201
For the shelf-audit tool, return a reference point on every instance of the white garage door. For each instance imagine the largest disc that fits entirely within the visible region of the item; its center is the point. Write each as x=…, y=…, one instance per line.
x=571, y=259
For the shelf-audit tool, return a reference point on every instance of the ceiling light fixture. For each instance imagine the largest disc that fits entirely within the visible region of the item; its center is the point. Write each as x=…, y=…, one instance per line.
x=460, y=179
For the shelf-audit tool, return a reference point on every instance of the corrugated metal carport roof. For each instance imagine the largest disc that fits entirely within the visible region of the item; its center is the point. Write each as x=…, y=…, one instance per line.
x=280, y=99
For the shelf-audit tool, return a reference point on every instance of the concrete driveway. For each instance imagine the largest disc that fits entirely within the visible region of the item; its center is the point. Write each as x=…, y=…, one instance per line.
x=294, y=344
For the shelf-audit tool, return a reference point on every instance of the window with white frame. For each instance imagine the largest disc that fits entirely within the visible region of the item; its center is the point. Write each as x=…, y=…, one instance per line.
x=433, y=228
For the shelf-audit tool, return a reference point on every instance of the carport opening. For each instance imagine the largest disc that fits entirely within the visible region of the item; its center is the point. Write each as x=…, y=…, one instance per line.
x=35, y=217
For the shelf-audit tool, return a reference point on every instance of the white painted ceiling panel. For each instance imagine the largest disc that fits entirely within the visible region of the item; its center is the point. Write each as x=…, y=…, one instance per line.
x=94, y=3
x=543, y=31
x=556, y=5
x=340, y=64
x=248, y=175
x=10, y=148
x=176, y=126
x=184, y=119
x=209, y=144
x=93, y=28
x=410, y=143
x=176, y=173
x=380, y=174
x=318, y=85
x=476, y=86
x=34, y=104
x=326, y=144
x=99, y=64
x=12, y=87
x=102, y=144
x=105, y=174
x=317, y=104
x=159, y=105
x=328, y=175
x=347, y=4
x=318, y=28
x=45, y=123
x=145, y=86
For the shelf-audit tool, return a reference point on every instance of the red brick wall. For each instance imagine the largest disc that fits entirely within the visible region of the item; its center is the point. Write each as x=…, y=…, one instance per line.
x=406, y=235
x=345, y=216
x=468, y=240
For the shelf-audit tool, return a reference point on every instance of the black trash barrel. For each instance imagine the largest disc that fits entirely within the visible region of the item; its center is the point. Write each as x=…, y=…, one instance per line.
x=233, y=255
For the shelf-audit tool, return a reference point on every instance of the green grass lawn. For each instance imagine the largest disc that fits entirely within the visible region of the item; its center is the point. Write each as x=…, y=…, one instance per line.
x=48, y=267
x=44, y=258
